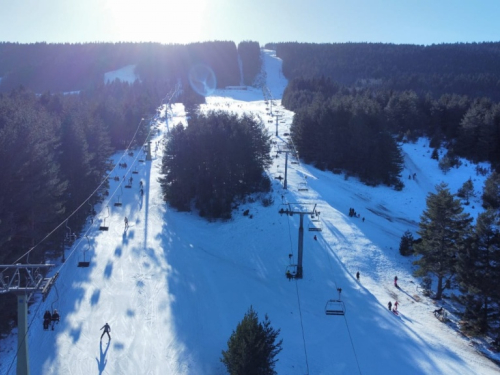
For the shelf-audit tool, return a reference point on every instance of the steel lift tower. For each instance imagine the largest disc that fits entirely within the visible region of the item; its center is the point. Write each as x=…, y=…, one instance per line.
x=299, y=209
x=24, y=280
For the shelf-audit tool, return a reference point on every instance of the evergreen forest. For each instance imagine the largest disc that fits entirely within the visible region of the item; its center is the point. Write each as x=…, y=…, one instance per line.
x=354, y=104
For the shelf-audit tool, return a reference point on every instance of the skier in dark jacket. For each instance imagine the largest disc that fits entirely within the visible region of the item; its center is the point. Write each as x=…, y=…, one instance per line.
x=107, y=330
x=55, y=318
x=389, y=305
x=46, y=320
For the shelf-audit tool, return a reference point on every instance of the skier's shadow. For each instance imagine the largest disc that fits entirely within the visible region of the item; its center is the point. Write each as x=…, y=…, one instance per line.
x=101, y=363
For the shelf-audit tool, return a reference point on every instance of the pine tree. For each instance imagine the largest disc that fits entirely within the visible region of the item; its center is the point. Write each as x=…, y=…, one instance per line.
x=443, y=229
x=466, y=191
x=491, y=192
x=478, y=273
x=406, y=244
x=435, y=154
x=252, y=347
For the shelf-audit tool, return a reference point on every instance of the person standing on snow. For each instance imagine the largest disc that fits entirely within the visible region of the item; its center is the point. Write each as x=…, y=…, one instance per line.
x=396, y=281
x=357, y=275
x=389, y=305
x=107, y=330
x=396, y=306
x=126, y=223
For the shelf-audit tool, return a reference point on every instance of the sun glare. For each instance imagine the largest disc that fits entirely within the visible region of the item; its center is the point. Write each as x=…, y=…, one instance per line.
x=164, y=21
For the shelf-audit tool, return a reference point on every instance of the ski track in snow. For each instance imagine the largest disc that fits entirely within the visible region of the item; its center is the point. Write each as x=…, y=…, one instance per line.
x=173, y=286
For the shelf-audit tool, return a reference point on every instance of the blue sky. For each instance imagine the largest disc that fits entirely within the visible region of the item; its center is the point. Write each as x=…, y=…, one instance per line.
x=185, y=21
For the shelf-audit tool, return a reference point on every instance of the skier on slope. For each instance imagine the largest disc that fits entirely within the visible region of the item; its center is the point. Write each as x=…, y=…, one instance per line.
x=47, y=317
x=126, y=223
x=55, y=318
x=107, y=330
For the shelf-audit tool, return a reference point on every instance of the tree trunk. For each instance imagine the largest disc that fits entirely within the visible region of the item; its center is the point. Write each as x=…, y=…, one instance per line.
x=440, y=288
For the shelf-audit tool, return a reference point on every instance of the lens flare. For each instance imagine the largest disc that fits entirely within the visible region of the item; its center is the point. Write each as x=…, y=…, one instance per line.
x=202, y=79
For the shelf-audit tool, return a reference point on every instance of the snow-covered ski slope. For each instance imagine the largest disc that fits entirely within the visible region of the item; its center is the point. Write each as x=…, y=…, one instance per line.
x=173, y=286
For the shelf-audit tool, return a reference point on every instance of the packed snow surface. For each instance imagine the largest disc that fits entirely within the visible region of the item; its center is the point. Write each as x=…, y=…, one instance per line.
x=174, y=286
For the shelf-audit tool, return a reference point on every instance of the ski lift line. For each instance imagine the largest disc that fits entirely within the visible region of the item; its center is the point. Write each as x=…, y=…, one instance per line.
x=345, y=318
x=34, y=316
x=352, y=344
x=74, y=211
x=298, y=297
x=85, y=201
x=302, y=325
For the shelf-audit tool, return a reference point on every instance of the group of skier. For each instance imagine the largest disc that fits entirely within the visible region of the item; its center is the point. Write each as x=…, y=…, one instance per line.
x=393, y=307
x=50, y=318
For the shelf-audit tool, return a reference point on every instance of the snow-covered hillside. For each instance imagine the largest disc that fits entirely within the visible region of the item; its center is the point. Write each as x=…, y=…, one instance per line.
x=173, y=286
x=126, y=74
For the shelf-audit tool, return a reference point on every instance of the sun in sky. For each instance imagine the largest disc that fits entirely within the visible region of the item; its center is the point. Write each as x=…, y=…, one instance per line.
x=171, y=21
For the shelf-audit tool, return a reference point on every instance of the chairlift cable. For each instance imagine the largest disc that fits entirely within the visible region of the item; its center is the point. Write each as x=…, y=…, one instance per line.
x=27, y=253
x=298, y=298
x=352, y=344
x=302, y=326
x=86, y=200
x=345, y=318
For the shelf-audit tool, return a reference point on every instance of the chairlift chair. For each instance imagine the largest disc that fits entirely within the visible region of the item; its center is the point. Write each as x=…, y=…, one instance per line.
x=84, y=262
x=103, y=227
x=334, y=307
x=118, y=203
x=291, y=271
x=70, y=236
x=315, y=224
x=302, y=187
x=135, y=171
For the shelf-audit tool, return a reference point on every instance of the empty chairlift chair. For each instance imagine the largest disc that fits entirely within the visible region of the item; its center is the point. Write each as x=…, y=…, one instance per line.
x=315, y=224
x=334, y=307
x=103, y=226
x=118, y=202
x=303, y=186
x=83, y=261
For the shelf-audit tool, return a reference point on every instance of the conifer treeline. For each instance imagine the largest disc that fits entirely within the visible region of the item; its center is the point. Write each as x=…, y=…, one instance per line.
x=468, y=127
x=70, y=67
x=348, y=133
x=463, y=256
x=470, y=69
x=54, y=151
x=216, y=160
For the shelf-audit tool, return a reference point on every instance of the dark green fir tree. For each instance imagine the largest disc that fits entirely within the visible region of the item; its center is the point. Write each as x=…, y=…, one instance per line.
x=252, y=347
x=443, y=229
